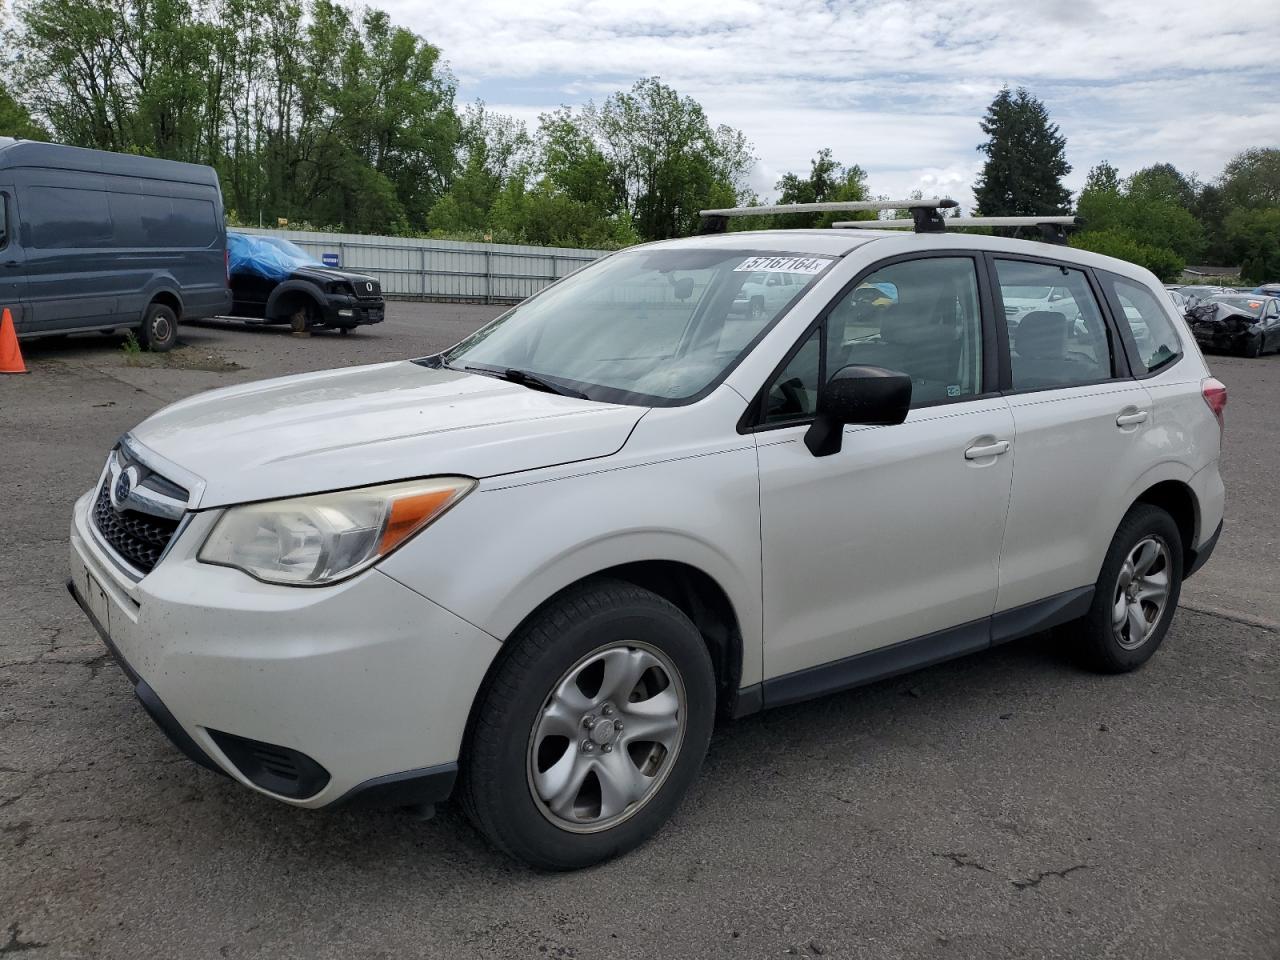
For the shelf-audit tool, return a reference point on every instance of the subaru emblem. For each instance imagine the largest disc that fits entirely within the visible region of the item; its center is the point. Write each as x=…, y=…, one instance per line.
x=123, y=487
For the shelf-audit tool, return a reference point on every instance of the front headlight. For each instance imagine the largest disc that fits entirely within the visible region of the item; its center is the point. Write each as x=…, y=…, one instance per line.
x=310, y=541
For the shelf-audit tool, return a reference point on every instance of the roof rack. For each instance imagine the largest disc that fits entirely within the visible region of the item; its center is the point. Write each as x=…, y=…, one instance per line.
x=924, y=213
x=1053, y=229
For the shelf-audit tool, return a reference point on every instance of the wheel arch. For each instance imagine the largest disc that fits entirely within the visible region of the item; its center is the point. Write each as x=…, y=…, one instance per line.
x=168, y=298
x=697, y=595
x=286, y=298
x=1178, y=499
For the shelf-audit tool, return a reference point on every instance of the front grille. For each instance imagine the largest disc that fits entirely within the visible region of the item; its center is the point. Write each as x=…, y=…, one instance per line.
x=368, y=289
x=138, y=537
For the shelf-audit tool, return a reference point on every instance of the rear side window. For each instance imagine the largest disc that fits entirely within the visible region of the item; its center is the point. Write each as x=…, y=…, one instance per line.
x=176, y=222
x=4, y=220
x=1057, y=337
x=1153, y=332
x=67, y=218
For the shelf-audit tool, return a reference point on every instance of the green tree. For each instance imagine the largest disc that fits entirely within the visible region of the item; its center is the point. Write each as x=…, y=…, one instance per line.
x=1164, y=263
x=1163, y=182
x=666, y=161
x=1253, y=240
x=1141, y=209
x=15, y=120
x=494, y=150
x=1026, y=159
x=1252, y=178
x=828, y=181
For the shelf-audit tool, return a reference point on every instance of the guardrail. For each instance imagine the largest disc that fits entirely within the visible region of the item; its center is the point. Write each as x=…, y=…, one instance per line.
x=419, y=269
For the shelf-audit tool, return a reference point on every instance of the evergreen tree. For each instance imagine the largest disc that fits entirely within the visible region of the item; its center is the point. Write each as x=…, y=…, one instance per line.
x=1026, y=159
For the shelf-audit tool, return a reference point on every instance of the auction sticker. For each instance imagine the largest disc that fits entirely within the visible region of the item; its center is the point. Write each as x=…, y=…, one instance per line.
x=809, y=265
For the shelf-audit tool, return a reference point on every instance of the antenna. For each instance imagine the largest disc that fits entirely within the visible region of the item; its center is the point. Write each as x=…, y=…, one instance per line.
x=924, y=213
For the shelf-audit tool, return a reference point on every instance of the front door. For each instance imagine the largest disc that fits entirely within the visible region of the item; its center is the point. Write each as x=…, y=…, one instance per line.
x=12, y=276
x=897, y=536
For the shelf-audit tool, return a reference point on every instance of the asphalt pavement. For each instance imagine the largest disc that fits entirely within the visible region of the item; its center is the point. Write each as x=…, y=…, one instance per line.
x=1004, y=805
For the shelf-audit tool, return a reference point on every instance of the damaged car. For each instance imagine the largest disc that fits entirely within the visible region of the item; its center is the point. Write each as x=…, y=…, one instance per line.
x=276, y=281
x=1239, y=323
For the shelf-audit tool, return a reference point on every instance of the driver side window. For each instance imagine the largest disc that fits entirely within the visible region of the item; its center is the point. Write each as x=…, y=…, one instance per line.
x=920, y=317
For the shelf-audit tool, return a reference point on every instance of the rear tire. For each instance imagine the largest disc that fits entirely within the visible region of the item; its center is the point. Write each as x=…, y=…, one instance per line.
x=1136, y=593
x=159, y=330
x=552, y=775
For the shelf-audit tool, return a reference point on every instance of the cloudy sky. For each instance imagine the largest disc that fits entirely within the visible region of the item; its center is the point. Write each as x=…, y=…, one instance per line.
x=895, y=86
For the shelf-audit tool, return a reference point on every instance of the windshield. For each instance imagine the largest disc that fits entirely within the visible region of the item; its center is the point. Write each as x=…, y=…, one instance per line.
x=1250, y=305
x=649, y=326
x=295, y=253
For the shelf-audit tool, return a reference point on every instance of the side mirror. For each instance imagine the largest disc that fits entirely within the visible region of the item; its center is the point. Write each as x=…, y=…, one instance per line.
x=857, y=394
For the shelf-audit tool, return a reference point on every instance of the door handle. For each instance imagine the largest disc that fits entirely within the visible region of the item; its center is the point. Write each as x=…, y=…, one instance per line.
x=987, y=450
x=1129, y=419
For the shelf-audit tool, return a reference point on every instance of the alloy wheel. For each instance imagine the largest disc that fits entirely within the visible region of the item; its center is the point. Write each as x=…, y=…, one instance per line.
x=1142, y=591
x=606, y=737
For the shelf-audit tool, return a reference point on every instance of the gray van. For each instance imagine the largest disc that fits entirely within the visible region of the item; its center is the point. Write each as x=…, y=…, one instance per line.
x=91, y=240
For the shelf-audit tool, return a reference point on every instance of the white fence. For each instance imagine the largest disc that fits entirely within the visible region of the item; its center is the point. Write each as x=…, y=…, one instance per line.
x=413, y=269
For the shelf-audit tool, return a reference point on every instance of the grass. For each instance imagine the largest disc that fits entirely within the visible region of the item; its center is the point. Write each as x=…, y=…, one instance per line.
x=132, y=349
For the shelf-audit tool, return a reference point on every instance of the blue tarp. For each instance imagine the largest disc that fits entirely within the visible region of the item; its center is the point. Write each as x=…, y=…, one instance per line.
x=271, y=257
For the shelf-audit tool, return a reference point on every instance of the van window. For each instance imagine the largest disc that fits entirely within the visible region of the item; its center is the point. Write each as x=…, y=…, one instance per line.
x=176, y=222
x=67, y=218
x=4, y=220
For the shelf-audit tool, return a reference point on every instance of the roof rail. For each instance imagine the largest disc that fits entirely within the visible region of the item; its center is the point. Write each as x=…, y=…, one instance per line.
x=924, y=213
x=1053, y=229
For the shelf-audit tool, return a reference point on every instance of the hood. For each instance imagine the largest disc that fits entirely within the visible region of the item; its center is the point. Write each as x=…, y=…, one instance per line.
x=318, y=274
x=374, y=424
x=1223, y=313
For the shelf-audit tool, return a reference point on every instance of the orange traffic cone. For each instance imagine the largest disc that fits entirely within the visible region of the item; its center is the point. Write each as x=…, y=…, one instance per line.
x=10, y=355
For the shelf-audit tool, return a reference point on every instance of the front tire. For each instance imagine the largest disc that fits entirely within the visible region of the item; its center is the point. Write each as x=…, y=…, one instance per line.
x=159, y=330
x=1136, y=594
x=591, y=728
x=1253, y=349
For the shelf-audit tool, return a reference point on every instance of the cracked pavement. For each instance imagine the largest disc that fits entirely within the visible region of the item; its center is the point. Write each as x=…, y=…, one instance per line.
x=1002, y=805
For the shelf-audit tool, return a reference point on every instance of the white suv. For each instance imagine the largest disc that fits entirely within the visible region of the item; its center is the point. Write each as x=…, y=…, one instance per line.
x=533, y=570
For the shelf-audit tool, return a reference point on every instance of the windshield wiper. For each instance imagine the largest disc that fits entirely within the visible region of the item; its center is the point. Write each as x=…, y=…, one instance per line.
x=527, y=379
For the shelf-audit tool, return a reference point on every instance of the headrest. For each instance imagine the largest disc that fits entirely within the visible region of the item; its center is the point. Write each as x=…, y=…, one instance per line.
x=907, y=325
x=1041, y=334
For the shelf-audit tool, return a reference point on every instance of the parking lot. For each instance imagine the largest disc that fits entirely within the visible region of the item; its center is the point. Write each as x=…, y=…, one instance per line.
x=1003, y=805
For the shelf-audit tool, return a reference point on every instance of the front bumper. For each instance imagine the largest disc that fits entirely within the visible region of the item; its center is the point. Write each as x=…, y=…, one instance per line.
x=367, y=679
x=1214, y=337
x=345, y=311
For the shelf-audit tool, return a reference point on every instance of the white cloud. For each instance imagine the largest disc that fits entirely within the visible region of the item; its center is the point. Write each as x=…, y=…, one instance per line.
x=895, y=86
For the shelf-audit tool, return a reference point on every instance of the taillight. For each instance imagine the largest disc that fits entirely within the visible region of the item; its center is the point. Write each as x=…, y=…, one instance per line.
x=1214, y=392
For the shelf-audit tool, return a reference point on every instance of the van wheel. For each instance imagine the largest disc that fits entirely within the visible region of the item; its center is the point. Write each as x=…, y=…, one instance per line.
x=591, y=729
x=159, y=330
x=1136, y=593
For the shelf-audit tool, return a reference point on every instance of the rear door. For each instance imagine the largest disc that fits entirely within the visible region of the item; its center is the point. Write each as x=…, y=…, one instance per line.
x=12, y=277
x=1081, y=425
